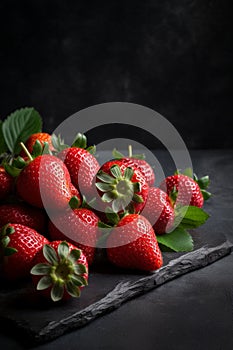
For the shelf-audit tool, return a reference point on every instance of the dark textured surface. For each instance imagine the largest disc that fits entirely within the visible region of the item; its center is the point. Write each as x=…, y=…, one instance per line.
x=172, y=56
x=193, y=311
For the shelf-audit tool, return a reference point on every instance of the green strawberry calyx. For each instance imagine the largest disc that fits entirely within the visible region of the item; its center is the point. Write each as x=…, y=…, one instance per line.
x=118, y=188
x=5, y=233
x=61, y=272
x=118, y=155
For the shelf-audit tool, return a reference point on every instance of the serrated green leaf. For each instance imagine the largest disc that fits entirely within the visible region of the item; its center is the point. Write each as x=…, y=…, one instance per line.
x=178, y=240
x=192, y=216
x=19, y=126
x=3, y=145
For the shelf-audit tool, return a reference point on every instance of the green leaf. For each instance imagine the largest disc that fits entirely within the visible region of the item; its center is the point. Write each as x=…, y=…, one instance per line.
x=19, y=126
x=5, y=241
x=139, y=156
x=9, y=251
x=178, y=240
x=11, y=170
x=91, y=149
x=73, y=289
x=117, y=155
x=37, y=149
x=101, y=175
x=137, y=198
x=41, y=269
x=116, y=171
x=112, y=216
x=44, y=283
x=3, y=145
x=188, y=172
x=107, y=197
x=203, y=182
x=74, y=202
x=128, y=173
x=50, y=254
x=75, y=255
x=63, y=250
x=206, y=195
x=104, y=187
x=57, y=292
x=58, y=143
x=192, y=216
x=80, y=141
x=80, y=269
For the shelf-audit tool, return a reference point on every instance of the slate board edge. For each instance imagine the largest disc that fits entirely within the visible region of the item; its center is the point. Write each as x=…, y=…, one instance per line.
x=125, y=291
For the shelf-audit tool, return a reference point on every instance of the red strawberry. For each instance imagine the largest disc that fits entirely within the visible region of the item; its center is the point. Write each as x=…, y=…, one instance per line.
x=20, y=244
x=79, y=227
x=42, y=137
x=143, y=166
x=23, y=214
x=133, y=244
x=45, y=182
x=6, y=183
x=184, y=188
x=60, y=271
x=124, y=186
x=159, y=211
x=82, y=167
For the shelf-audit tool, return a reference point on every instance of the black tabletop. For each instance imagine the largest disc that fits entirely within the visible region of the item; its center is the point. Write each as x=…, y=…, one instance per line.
x=194, y=311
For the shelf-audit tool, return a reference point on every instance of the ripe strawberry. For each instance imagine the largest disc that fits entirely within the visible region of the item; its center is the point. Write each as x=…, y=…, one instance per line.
x=159, y=211
x=137, y=160
x=45, y=182
x=42, y=137
x=82, y=167
x=23, y=214
x=132, y=244
x=20, y=244
x=143, y=166
x=79, y=227
x=6, y=183
x=60, y=271
x=124, y=186
x=183, y=190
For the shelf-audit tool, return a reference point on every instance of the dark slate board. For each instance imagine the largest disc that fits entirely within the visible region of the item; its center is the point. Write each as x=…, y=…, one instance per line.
x=108, y=288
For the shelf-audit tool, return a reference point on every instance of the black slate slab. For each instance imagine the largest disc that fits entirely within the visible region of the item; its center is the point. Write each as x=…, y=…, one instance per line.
x=108, y=289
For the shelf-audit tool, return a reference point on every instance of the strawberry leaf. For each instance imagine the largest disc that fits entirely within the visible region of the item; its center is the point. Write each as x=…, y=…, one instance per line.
x=19, y=126
x=178, y=240
x=192, y=216
x=3, y=146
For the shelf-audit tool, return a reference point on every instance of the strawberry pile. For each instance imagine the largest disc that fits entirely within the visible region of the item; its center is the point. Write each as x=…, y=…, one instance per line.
x=58, y=204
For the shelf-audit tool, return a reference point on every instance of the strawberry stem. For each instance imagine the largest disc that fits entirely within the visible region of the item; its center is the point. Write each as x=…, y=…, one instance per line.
x=26, y=151
x=130, y=150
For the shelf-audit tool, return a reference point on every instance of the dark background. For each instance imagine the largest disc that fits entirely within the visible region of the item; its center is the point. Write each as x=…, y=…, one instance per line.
x=172, y=56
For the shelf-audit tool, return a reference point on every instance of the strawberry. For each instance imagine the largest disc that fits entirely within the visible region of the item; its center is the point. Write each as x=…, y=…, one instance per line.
x=6, y=183
x=82, y=167
x=124, y=186
x=23, y=214
x=138, y=161
x=159, y=210
x=79, y=227
x=45, y=182
x=132, y=244
x=19, y=245
x=42, y=137
x=183, y=190
x=60, y=271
